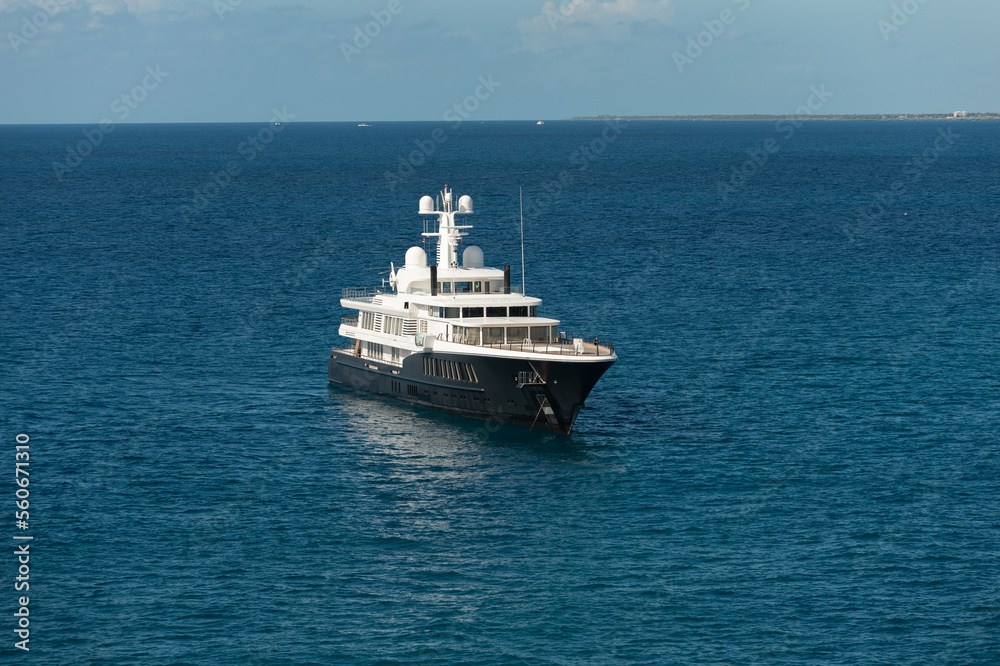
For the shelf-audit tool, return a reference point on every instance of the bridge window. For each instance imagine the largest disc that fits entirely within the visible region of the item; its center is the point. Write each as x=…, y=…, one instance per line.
x=533, y=311
x=540, y=333
x=451, y=313
x=466, y=336
x=446, y=287
x=493, y=335
x=463, y=287
x=496, y=312
x=519, y=311
x=478, y=287
x=516, y=333
x=468, y=313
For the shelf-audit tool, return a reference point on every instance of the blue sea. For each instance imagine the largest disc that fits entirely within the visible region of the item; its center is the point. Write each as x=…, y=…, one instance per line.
x=795, y=459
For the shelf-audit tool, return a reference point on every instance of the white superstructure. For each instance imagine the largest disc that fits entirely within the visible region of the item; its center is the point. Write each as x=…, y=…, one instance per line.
x=461, y=307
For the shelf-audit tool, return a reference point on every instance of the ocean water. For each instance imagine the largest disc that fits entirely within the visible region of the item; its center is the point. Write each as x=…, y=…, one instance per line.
x=795, y=459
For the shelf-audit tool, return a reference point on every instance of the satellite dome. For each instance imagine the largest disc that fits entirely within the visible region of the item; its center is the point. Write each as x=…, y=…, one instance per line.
x=416, y=257
x=426, y=205
x=465, y=204
x=472, y=257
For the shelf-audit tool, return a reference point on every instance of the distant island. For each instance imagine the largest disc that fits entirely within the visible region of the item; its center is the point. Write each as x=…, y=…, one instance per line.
x=958, y=115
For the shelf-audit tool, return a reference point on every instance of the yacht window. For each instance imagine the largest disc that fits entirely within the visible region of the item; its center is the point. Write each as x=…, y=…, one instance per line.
x=539, y=333
x=516, y=333
x=478, y=287
x=469, y=313
x=533, y=311
x=519, y=311
x=486, y=286
x=446, y=287
x=463, y=287
x=496, y=312
x=493, y=335
x=451, y=313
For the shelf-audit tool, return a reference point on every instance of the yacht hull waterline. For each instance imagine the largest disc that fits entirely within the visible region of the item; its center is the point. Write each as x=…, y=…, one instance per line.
x=498, y=396
x=461, y=339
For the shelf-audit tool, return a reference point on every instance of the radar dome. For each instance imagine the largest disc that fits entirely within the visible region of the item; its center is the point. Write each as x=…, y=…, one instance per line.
x=426, y=205
x=416, y=257
x=472, y=257
x=465, y=204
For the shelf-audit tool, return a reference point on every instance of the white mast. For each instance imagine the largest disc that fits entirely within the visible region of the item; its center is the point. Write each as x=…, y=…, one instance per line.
x=520, y=195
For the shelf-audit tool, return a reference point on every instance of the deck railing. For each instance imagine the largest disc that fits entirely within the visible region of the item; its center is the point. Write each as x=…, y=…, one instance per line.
x=362, y=294
x=562, y=346
x=364, y=355
x=349, y=321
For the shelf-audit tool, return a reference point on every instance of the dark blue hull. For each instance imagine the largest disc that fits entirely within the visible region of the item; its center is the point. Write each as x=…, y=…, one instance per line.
x=541, y=394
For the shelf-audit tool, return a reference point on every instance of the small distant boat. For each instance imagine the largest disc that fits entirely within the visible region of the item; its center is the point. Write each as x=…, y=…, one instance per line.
x=363, y=125
x=540, y=122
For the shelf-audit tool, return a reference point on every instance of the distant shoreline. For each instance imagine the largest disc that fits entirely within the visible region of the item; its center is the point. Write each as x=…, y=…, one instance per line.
x=916, y=116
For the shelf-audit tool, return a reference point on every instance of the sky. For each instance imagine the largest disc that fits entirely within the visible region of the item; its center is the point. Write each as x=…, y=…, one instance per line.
x=153, y=61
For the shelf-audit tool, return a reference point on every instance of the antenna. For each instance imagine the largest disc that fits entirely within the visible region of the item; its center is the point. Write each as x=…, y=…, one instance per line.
x=520, y=194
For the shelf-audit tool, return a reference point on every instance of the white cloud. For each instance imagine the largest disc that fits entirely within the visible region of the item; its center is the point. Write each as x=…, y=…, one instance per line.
x=137, y=7
x=576, y=22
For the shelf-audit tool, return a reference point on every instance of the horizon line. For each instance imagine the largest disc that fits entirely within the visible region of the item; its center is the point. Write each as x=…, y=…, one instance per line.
x=970, y=115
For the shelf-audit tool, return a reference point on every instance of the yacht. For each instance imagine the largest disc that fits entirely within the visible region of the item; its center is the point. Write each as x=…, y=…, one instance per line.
x=458, y=336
